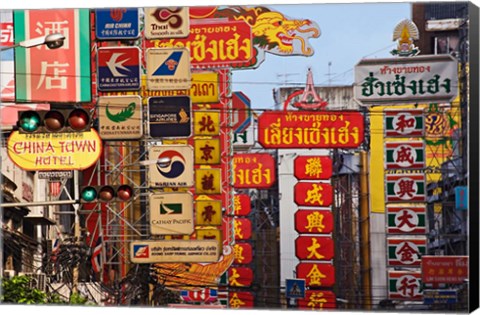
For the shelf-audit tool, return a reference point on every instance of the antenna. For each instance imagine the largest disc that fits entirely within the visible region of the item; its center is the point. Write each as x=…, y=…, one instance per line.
x=285, y=76
x=329, y=73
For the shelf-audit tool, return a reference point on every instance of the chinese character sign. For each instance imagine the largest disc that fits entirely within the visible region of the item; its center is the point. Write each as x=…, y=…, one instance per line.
x=242, y=205
x=406, y=252
x=316, y=274
x=318, y=300
x=313, y=194
x=60, y=75
x=313, y=167
x=314, y=221
x=404, y=285
x=314, y=248
x=404, y=123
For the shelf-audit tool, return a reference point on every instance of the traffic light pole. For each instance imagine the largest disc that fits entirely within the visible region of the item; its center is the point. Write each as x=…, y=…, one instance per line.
x=76, y=232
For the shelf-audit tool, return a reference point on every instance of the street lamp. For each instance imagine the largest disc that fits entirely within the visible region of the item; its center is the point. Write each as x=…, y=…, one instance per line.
x=53, y=41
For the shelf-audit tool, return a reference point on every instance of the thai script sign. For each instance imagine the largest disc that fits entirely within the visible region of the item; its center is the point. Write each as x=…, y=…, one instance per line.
x=316, y=274
x=60, y=75
x=430, y=78
x=309, y=247
x=171, y=213
x=120, y=117
x=406, y=219
x=54, y=151
x=166, y=22
x=6, y=34
x=405, y=285
x=444, y=269
x=317, y=300
x=405, y=188
x=299, y=129
x=146, y=252
x=214, y=44
x=313, y=194
x=118, y=23
x=312, y=167
x=405, y=155
x=253, y=170
x=404, y=123
x=406, y=252
x=313, y=221
x=174, y=166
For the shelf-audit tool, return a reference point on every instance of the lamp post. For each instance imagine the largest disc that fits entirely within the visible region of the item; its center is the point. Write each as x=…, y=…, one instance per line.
x=52, y=41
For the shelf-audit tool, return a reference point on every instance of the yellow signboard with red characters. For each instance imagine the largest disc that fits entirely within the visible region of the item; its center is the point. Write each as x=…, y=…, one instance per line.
x=54, y=151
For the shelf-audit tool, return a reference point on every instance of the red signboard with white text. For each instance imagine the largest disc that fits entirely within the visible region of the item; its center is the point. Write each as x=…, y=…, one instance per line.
x=444, y=269
x=6, y=35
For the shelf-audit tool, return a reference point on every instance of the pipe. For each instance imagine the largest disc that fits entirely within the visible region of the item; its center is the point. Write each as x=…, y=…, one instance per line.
x=365, y=232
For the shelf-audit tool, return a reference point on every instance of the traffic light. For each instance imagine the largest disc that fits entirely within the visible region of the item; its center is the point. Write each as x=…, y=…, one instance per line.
x=107, y=193
x=55, y=120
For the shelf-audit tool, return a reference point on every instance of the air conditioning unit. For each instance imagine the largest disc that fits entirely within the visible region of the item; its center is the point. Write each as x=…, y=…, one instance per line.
x=9, y=274
x=37, y=280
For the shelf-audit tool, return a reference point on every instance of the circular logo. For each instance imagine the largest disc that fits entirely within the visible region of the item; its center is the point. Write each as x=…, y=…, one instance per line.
x=175, y=165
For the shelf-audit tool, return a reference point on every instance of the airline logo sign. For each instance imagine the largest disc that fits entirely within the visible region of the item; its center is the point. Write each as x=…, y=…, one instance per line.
x=118, y=68
x=172, y=22
x=168, y=69
x=174, y=167
x=118, y=23
x=171, y=213
x=169, y=116
x=199, y=251
x=120, y=117
x=405, y=155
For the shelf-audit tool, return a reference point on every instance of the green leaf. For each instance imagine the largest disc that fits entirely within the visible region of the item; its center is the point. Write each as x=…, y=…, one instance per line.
x=123, y=115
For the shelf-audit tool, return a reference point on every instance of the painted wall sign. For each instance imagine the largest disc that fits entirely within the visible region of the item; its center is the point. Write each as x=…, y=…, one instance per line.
x=60, y=75
x=406, y=219
x=118, y=23
x=313, y=194
x=198, y=251
x=243, y=253
x=428, y=78
x=242, y=205
x=169, y=116
x=253, y=170
x=168, y=69
x=403, y=285
x=171, y=213
x=242, y=228
x=444, y=269
x=405, y=252
x=120, y=117
x=165, y=22
x=54, y=151
x=300, y=129
x=214, y=43
x=313, y=221
x=405, y=188
x=404, y=123
x=118, y=68
x=317, y=300
x=314, y=247
x=175, y=166
x=405, y=155
x=312, y=167
x=316, y=274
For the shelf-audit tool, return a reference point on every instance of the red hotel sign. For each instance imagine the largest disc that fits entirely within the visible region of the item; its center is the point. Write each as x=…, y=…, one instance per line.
x=256, y=170
x=444, y=269
x=314, y=247
x=303, y=129
x=313, y=194
x=314, y=221
x=312, y=167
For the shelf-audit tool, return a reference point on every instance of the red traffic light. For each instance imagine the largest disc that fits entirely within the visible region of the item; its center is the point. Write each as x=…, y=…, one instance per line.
x=55, y=120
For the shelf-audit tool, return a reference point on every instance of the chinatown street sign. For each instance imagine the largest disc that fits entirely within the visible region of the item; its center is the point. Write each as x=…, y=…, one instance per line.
x=309, y=247
x=253, y=170
x=426, y=78
x=405, y=155
x=54, y=151
x=171, y=213
x=198, y=251
x=166, y=22
x=404, y=123
x=404, y=285
x=168, y=69
x=314, y=221
x=406, y=219
x=313, y=194
x=444, y=269
x=176, y=171
x=118, y=68
x=302, y=129
x=169, y=116
x=317, y=300
x=312, y=167
x=405, y=252
x=316, y=274
x=405, y=188
x=120, y=117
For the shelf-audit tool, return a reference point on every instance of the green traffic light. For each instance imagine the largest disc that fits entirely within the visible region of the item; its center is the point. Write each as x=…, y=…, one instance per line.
x=29, y=121
x=89, y=194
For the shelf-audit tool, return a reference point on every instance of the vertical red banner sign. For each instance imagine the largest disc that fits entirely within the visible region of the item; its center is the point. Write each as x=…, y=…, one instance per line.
x=314, y=247
x=313, y=194
x=240, y=300
x=242, y=205
x=312, y=167
x=318, y=300
x=242, y=228
x=314, y=221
